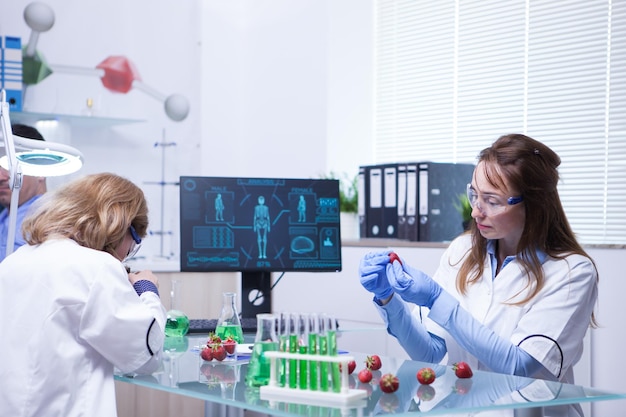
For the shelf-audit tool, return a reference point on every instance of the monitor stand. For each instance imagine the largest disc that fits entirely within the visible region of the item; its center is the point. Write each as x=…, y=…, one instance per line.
x=256, y=293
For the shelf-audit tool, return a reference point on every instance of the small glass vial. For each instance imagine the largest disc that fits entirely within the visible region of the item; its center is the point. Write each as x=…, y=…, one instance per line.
x=177, y=324
x=228, y=323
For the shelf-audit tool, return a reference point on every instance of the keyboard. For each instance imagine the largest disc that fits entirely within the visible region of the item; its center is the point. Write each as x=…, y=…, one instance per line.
x=248, y=325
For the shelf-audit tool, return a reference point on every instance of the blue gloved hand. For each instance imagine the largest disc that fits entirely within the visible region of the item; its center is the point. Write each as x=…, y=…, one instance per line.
x=412, y=285
x=373, y=274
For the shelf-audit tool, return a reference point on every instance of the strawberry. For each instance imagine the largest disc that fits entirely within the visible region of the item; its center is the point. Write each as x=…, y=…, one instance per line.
x=229, y=345
x=207, y=354
x=426, y=376
x=365, y=375
x=351, y=366
x=373, y=363
x=214, y=339
x=389, y=383
x=219, y=353
x=462, y=370
x=394, y=257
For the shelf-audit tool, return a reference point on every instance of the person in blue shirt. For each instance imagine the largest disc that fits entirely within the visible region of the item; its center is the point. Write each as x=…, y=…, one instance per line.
x=32, y=188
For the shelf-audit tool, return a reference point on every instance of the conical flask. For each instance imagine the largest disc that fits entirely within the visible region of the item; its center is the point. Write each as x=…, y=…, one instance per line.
x=177, y=324
x=228, y=324
x=264, y=341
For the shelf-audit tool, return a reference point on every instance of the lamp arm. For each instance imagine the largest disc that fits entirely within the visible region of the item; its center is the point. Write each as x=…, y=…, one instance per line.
x=15, y=172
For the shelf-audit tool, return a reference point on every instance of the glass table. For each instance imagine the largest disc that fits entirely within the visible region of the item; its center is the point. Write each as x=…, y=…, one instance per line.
x=222, y=384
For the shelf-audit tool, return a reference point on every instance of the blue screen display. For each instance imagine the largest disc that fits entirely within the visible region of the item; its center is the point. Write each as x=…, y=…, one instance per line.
x=259, y=224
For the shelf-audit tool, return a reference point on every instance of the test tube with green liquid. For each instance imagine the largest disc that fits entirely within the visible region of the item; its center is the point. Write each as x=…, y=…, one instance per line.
x=313, y=349
x=283, y=346
x=331, y=332
x=303, y=348
x=322, y=340
x=293, y=348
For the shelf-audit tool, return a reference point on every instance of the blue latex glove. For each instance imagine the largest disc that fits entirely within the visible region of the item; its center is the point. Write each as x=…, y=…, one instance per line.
x=412, y=285
x=373, y=274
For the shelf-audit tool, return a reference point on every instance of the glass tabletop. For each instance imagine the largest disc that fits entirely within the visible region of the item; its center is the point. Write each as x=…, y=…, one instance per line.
x=183, y=372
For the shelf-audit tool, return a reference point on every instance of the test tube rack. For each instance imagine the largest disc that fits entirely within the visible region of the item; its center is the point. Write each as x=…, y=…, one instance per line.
x=344, y=398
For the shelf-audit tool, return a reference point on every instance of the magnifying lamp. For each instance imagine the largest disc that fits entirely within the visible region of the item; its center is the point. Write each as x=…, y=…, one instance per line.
x=23, y=156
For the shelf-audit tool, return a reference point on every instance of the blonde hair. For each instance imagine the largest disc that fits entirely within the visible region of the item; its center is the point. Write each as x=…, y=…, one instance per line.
x=95, y=211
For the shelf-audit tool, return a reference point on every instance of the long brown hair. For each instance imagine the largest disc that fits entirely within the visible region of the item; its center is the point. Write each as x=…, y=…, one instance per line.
x=530, y=167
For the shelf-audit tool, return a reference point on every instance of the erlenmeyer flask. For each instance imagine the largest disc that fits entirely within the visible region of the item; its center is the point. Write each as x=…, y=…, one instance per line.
x=177, y=324
x=264, y=341
x=228, y=323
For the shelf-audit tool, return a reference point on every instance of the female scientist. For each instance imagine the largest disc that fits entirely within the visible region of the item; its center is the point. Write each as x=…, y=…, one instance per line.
x=516, y=294
x=69, y=309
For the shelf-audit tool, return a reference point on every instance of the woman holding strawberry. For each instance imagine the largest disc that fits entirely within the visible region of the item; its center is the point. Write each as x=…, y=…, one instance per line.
x=514, y=295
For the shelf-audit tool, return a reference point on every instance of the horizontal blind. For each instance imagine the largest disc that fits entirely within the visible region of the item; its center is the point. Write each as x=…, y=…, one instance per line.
x=453, y=76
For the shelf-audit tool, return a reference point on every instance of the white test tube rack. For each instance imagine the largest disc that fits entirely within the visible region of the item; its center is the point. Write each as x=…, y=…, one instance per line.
x=345, y=396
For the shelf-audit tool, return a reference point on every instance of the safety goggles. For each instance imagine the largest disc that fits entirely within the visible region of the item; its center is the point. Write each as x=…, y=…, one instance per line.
x=490, y=204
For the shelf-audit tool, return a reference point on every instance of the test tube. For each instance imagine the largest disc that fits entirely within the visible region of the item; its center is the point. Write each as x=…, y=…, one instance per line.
x=331, y=332
x=322, y=340
x=314, y=328
x=283, y=346
x=303, y=348
x=294, y=334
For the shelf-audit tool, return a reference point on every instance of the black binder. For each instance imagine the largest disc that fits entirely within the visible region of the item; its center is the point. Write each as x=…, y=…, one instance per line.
x=390, y=201
x=362, y=184
x=440, y=185
x=402, y=229
x=412, y=194
x=374, y=200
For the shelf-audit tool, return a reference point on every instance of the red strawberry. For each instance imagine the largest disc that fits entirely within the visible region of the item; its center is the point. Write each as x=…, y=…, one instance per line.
x=229, y=345
x=219, y=353
x=373, y=363
x=389, y=383
x=365, y=375
x=213, y=339
x=462, y=370
x=426, y=376
x=207, y=354
x=351, y=366
x=394, y=257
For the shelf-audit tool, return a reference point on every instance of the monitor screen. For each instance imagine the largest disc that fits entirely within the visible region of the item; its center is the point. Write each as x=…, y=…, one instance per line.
x=259, y=224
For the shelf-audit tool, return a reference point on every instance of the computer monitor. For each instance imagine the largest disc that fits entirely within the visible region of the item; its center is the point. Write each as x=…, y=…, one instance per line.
x=257, y=226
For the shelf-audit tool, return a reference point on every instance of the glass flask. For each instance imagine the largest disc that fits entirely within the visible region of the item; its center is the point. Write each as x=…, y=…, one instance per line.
x=228, y=324
x=177, y=324
x=264, y=341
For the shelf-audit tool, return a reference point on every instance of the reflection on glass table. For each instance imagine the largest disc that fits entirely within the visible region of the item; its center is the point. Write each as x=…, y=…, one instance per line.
x=223, y=383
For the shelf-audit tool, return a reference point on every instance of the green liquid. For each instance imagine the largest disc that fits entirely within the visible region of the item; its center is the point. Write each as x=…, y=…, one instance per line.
x=293, y=363
x=177, y=324
x=225, y=330
x=282, y=363
x=332, y=350
x=313, y=365
x=304, y=369
x=323, y=364
x=259, y=366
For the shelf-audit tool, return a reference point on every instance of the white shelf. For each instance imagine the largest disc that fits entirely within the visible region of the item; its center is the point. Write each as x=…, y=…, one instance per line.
x=74, y=120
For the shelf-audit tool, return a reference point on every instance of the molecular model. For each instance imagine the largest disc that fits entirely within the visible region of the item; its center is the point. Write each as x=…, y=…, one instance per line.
x=117, y=73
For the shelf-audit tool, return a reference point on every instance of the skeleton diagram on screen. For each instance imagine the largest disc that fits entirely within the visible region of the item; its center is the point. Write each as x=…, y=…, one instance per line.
x=261, y=225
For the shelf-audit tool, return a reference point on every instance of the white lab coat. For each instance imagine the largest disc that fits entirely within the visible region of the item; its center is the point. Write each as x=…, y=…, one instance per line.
x=553, y=322
x=69, y=316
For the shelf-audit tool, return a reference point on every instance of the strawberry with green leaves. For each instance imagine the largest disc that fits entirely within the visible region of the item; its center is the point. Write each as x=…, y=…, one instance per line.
x=462, y=370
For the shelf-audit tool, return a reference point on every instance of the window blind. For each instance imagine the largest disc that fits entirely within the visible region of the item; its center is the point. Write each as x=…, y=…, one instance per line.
x=452, y=76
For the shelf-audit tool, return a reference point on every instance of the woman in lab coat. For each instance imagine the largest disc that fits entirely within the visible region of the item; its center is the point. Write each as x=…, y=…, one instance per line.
x=69, y=309
x=516, y=294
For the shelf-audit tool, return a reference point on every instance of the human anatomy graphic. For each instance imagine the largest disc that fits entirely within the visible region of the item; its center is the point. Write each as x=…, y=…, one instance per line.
x=117, y=73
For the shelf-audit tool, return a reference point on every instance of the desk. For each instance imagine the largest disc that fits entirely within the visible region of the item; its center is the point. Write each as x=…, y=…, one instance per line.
x=222, y=384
